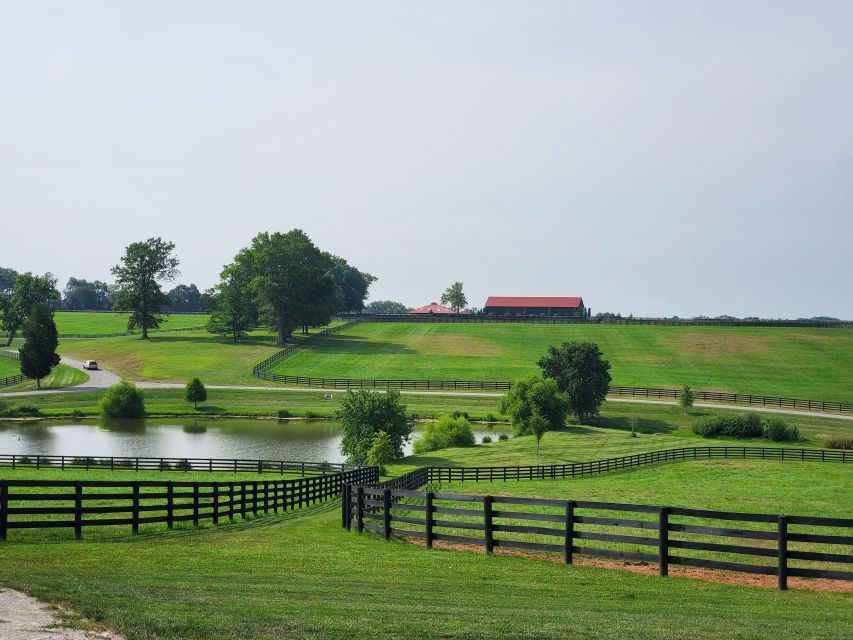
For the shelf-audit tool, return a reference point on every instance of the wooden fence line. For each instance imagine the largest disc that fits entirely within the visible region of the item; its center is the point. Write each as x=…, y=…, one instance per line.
x=132, y=503
x=475, y=520
x=126, y=463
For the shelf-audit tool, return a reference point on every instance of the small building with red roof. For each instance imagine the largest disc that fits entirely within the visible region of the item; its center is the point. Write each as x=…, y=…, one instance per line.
x=433, y=308
x=536, y=306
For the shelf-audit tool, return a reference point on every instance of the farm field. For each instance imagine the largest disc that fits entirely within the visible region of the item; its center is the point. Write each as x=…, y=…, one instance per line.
x=803, y=363
x=116, y=322
x=295, y=575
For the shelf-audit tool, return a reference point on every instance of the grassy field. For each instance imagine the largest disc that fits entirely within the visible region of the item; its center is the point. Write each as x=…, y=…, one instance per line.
x=177, y=357
x=116, y=322
x=301, y=576
x=804, y=363
x=61, y=376
x=669, y=422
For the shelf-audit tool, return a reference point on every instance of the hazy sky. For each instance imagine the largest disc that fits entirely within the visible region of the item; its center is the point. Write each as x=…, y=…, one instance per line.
x=656, y=158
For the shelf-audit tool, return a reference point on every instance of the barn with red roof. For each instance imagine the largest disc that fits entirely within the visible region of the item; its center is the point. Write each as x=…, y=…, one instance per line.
x=536, y=306
x=433, y=308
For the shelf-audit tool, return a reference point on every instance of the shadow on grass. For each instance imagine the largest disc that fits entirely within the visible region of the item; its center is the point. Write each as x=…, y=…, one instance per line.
x=641, y=425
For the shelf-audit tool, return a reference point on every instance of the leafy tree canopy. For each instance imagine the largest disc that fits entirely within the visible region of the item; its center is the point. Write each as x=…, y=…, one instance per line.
x=351, y=285
x=363, y=414
x=27, y=291
x=84, y=295
x=386, y=307
x=7, y=280
x=143, y=266
x=185, y=298
x=454, y=297
x=534, y=396
x=233, y=311
x=581, y=372
x=195, y=392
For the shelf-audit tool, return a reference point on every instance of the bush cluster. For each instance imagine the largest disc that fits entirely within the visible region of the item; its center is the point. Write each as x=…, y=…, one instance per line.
x=19, y=409
x=746, y=425
x=446, y=432
x=839, y=442
x=123, y=400
x=503, y=436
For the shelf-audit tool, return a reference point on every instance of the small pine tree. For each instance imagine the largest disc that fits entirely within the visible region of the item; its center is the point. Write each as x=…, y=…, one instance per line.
x=38, y=354
x=195, y=392
x=686, y=398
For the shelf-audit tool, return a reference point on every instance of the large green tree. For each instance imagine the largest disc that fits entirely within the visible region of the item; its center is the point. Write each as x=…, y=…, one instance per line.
x=385, y=307
x=38, y=353
x=143, y=266
x=185, y=298
x=233, y=311
x=27, y=291
x=290, y=279
x=363, y=414
x=7, y=280
x=351, y=285
x=581, y=372
x=454, y=297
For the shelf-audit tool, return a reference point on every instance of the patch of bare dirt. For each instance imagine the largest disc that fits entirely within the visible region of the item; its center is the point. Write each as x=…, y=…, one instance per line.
x=25, y=618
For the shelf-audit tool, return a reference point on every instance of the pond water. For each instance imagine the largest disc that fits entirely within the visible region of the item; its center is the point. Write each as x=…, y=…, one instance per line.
x=311, y=441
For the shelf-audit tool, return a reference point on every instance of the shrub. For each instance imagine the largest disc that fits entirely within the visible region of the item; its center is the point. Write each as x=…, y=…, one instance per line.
x=461, y=414
x=25, y=409
x=311, y=415
x=490, y=418
x=284, y=413
x=686, y=398
x=76, y=414
x=778, y=430
x=839, y=442
x=123, y=400
x=486, y=440
x=503, y=436
x=363, y=414
x=742, y=425
x=381, y=451
x=445, y=432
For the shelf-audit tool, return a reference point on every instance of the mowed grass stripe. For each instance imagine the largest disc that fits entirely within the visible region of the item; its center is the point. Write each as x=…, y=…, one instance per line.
x=803, y=363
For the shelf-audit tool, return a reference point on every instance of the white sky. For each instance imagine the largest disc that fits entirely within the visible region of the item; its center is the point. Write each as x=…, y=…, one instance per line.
x=657, y=158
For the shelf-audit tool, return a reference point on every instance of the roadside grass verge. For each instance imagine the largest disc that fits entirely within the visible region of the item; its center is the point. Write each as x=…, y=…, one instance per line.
x=306, y=578
x=801, y=363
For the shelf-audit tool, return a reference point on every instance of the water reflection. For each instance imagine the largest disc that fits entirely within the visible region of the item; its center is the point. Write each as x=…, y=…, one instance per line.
x=317, y=440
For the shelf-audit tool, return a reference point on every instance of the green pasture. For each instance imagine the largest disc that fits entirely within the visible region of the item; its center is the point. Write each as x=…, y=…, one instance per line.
x=300, y=576
x=803, y=363
x=61, y=376
x=116, y=322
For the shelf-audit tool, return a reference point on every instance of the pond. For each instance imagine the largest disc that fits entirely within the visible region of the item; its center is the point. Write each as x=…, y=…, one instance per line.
x=311, y=441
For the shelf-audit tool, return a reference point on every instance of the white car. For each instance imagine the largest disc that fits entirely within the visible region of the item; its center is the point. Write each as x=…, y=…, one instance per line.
x=90, y=364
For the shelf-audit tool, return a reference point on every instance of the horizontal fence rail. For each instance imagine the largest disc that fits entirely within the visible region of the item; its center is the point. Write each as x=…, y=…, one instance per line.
x=9, y=381
x=125, y=463
x=669, y=322
x=127, y=333
x=51, y=504
x=765, y=544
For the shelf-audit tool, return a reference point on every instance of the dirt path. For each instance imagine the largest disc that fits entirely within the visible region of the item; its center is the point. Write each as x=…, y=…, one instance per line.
x=25, y=618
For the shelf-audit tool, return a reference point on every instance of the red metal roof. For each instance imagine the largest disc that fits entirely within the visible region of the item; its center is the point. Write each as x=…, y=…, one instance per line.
x=433, y=307
x=534, y=301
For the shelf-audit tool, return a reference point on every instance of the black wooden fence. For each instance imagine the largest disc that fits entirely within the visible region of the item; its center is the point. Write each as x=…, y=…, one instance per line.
x=767, y=544
x=125, y=463
x=8, y=381
x=50, y=504
x=259, y=369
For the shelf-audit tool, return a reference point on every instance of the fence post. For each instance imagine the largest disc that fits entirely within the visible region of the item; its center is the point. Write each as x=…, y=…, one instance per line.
x=345, y=504
x=4, y=506
x=359, y=509
x=78, y=510
x=783, y=553
x=195, y=504
x=134, y=517
x=663, y=541
x=487, y=520
x=429, y=534
x=570, y=532
x=231, y=502
x=215, y=503
x=170, y=504
x=386, y=504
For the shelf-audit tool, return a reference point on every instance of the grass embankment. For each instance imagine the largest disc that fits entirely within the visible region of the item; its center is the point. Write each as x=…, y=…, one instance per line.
x=116, y=322
x=304, y=577
x=803, y=363
x=61, y=376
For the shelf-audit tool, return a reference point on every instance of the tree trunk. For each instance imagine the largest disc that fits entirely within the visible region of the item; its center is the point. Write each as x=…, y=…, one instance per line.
x=38, y=383
x=282, y=334
x=144, y=332
x=10, y=338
